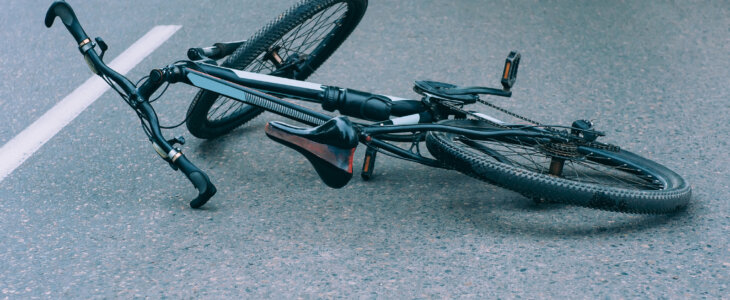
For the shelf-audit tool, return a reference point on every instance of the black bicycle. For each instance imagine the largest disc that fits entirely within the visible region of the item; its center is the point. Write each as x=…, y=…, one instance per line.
x=549, y=163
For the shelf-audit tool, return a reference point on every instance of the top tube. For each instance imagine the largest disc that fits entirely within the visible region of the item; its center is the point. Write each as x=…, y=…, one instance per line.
x=349, y=102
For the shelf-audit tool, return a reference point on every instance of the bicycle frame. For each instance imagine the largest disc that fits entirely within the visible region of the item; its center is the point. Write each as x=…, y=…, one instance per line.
x=244, y=86
x=239, y=85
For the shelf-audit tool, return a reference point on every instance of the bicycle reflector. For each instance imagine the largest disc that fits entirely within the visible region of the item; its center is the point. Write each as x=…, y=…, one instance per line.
x=509, y=75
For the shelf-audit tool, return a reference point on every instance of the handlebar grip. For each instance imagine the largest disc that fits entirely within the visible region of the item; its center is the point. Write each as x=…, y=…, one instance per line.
x=202, y=183
x=64, y=11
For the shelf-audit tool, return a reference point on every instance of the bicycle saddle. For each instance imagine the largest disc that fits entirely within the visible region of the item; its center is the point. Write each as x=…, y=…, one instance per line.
x=468, y=95
x=330, y=147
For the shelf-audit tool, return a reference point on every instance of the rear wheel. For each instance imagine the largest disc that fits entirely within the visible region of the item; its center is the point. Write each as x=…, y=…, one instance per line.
x=293, y=46
x=591, y=176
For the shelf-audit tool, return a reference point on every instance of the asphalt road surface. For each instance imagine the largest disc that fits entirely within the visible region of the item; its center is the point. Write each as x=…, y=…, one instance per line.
x=96, y=214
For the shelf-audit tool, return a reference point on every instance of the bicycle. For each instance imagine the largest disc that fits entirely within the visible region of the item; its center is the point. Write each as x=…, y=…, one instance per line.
x=549, y=163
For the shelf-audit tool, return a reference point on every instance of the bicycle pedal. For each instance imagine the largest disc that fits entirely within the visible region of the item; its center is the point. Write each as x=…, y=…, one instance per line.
x=509, y=74
x=368, y=165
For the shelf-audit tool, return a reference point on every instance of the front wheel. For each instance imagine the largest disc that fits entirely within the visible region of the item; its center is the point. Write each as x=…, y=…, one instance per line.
x=590, y=176
x=292, y=46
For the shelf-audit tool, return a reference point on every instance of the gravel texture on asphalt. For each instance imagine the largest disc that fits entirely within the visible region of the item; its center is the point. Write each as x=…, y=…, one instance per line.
x=95, y=214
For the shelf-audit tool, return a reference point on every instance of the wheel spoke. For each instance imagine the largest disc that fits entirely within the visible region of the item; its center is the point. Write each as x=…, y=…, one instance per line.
x=319, y=28
x=302, y=40
x=530, y=155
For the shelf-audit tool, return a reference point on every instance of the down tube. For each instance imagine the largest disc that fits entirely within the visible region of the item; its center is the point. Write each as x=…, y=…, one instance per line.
x=304, y=90
x=255, y=98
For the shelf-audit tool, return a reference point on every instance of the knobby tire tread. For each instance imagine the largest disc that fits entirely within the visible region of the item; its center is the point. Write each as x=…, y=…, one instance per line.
x=558, y=190
x=198, y=123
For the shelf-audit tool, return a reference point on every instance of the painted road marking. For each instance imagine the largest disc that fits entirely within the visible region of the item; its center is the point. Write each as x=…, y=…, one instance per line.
x=28, y=141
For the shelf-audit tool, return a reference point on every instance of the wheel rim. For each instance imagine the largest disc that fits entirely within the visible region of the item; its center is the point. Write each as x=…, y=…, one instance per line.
x=305, y=40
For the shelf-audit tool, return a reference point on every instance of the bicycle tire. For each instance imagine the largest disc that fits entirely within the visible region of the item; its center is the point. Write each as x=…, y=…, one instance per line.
x=645, y=197
x=204, y=117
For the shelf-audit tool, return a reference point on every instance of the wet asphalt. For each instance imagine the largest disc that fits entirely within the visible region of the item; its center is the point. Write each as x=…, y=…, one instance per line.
x=95, y=214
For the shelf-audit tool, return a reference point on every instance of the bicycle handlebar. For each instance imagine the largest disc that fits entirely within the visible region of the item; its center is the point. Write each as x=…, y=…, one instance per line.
x=198, y=178
x=202, y=183
x=63, y=10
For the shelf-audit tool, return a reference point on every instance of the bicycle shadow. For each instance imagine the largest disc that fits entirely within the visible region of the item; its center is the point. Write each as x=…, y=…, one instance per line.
x=520, y=215
x=500, y=211
x=492, y=208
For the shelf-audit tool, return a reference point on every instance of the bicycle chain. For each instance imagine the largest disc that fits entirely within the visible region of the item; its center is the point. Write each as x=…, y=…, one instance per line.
x=609, y=147
x=536, y=123
x=466, y=112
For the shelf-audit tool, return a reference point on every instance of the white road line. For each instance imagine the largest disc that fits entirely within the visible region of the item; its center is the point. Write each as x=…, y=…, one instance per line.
x=27, y=142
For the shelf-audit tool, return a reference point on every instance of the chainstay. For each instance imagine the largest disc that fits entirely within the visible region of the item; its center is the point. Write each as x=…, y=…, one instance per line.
x=596, y=145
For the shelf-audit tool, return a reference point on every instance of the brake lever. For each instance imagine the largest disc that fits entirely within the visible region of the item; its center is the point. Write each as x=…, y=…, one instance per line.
x=102, y=45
